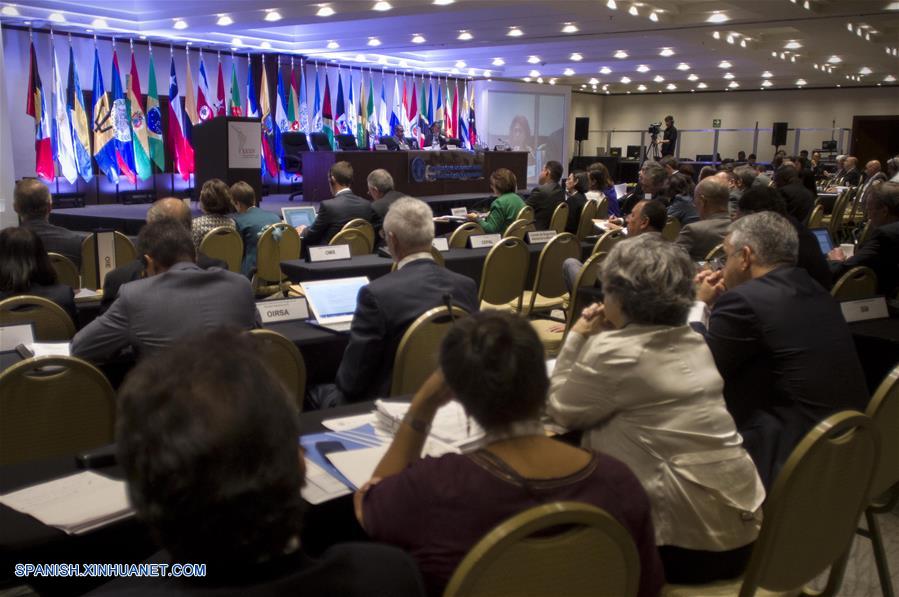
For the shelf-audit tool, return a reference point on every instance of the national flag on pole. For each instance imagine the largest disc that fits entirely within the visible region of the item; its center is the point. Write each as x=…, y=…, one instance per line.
x=373, y=125
x=234, y=99
x=383, y=123
x=36, y=107
x=124, y=152
x=293, y=104
x=81, y=133
x=103, y=126
x=182, y=152
x=472, y=128
x=303, y=116
x=340, y=113
x=154, y=119
x=438, y=111
x=396, y=114
x=430, y=104
x=269, y=157
x=362, y=122
x=220, y=92
x=327, y=115
x=317, y=120
x=282, y=122
x=448, y=113
x=404, y=108
x=63, y=147
x=456, y=109
x=351, y=107
x=463, y=119
x=205, y=111
x=423, y=122
x=414, y=129
x=190, y=102
x=137, y=117
x=252, y=100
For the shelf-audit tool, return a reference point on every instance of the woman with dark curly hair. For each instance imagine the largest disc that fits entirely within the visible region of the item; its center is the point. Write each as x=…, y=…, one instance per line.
x=25, y=269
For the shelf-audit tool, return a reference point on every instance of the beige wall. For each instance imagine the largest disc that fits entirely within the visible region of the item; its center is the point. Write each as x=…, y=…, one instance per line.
x=812, y=108
x=591, y=106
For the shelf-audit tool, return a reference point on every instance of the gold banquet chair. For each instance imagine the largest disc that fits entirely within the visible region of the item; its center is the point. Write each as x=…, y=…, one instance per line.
x=671, y=229
x=285, y=360
x=526, y=213
x=365, y=228
x=53, y=406
x=549, y=290
x=602, y=208
x=607, y=241
x=816, y=218
x=66, y=271
x=559, y=219
x=858, y=283
x=124, y=253
x=504, y=274
x=51, y=322
x=716, y=252
x=585, y=224
x=356, y=239
x=810, y=515
x=226, y=244
x=591, y=554
x=418, y=351
x=278, y=242
x=518, y=229
x=459, y=238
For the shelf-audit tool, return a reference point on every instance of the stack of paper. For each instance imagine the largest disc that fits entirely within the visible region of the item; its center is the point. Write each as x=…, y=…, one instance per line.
x=50, y=349
x=451, y=424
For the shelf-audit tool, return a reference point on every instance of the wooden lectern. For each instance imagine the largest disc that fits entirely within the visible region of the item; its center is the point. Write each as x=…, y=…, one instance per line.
x=229, y=148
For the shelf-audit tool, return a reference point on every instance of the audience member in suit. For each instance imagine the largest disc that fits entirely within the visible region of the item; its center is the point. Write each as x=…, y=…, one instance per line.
x=209, y=450
x=798, y=199
x=852, y=176
x=389, y=304
x=698, y=238
x=504, y=209
x=779, y=340
x=251, y=222
x=334, y=213
x=810, y=258
x=25, y=268
x=168, y=208
x=380, y=188
x=650, y=183
x=176, y=299
x=881, y=251
x=438, y=508
x=218, y=209
x=601, y=184
x=434, y=136
x=643, y=386
x=742, y=179
x=873, y=177
x=32, y=202
x=679, y=194
x=575, y=186
x=670, y=163
x=548, y=195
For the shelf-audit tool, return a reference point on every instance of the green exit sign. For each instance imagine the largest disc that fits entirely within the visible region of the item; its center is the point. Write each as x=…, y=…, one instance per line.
x=716, y=123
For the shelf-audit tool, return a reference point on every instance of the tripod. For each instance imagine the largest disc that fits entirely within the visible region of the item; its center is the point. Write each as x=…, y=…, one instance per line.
x=652, y=151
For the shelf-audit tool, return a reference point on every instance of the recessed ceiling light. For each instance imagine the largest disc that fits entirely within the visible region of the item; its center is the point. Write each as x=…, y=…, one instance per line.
x=56, y=17
x=9, y=11
x=534, y=73
x=533, y=59
x=576, y=57
x=488, y=73
x=701, y=85
x=265, y=45
x=224, y=21
x=625, y=80
x=733, y=84
x=464, y=35
x=889, y=79
x=515, y=32
x=498, y=62
x=643, y=69
x=730, y=39
x=236, y=41
x=143, y=37
x=620, y=54
x=526, y=79
x=568, y=72
x=654, y=17
x=800, y=82
x=404, y=64
x=460, y=64
x=552, y=81
x=671, y=87
x=728, y=76
x=766, y=83
x=716, y=35
x=324, y=11
x=767, y=74
x=374, y=42
x=568, y=28
x=272, y=15
x=471, y=72
x=717, y=17
x=612, y=4
x=360, y=58
x=693, y=77
x=100, y=23
x=683, y=66
x=443, y=2
x=593, y=81
x=658, y=79
x=641, y=87
x=724, y=64
x=605, y=70
x=382, y=6
x=743, y=43
x=180, y=24
x=864, y=71
x=333, y=45
x=418, y=39
x=633, y=10
x=792, y=45
x=540, y=80
x=666, y=52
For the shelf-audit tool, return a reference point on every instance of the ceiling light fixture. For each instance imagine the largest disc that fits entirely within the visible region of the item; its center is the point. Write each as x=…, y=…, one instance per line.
x=540, y=80
x=683, y=66
x=716, y=35
x=460, y=64
x=333, y=45
x=265, y=45
x=471, y=72
x=552, y=81
x=659, y=79
x=534, y=73
x=593, y=81
x=701, y=85
x=100, y=23
x=515, y=32
x=625, y=80
x=382, y=6
x=766, y=83
x=605, y=70
x=568, y=28
x=236, y=41
x=526, y=79
x=733, y=84
x=533, y=59
x=865, y=71
x=641, y=88
x=9, y=11
x=666, y=52
x=464, y=35
x=654, y=17
x=224, y=20
x=801, y=82
x=498, y=62
x=568, y=72
x=272, y=15
x=743, y=43
x=443, y=2
x=56, y=17
x=671, y=87
x=728, y=76
x=717, y=17
x=730, y=39
x=576, y=57
x=324, y=11
x=792, y=45
x=767, y=74
x=889, y=79
x=418, y=39
x=620, y=54
x=724, y=64
x=374, y=42
x=643, y=69
x=693, y=77
x=488, y=73
x=612, y=4
x=180, y=24
x=633, y=10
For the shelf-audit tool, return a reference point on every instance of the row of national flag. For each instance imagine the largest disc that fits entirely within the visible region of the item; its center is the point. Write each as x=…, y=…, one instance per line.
x=123, y=131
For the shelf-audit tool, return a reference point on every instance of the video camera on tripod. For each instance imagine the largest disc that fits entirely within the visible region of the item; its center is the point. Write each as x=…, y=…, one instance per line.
x=654, y=129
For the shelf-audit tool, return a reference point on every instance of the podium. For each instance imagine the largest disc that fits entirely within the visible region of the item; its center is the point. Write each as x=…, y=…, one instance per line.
x=228, y=148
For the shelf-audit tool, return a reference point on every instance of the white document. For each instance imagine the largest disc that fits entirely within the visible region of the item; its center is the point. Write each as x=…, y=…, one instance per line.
x=451, y=424
x=74, y=504
x=352, y=422
x=321, y=486
x=86, y=294
x=550, y=365
x=50, y=349
x=621, y=190
x=13, y=335
x=358, y=465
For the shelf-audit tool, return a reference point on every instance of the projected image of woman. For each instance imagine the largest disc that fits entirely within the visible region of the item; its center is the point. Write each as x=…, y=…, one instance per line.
x=521, y=139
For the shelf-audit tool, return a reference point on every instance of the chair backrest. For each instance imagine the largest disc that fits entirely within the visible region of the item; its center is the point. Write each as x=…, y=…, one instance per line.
x=816, y=217
x=671, y=229
x=526, y=213
x=884, y=411
x=357, y=241
x=124, y=253
x=53, y=406
x=419, y=348
x=560, y=218
x=285, y=360
x=321, y=142
x=858, y=283
x=813, y=508
x=517, y=229
x=459, y=237
x=548, y=280
x=278, y=242
x=505, y=272
x=224, y=243
x=585, y=224
x=346, y=142
x=716, y=252
x=602, y=208
x=365, y=227
x=592, y=554
x=586, y=277
x=294, y=142
x=51, y=322
x=607, y=241
x=66, y=271
x=439, y=259
x=867, y=231
x=838, y=214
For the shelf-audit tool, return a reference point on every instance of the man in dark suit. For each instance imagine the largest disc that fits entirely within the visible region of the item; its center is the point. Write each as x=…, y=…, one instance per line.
x=171, y=208
x=799, y=200
x=548, y=195
x=398, y=140
x=873, y=177
x=881, y=251
x=334, y=213
x=779, y=340
x=176, y=298
x=711, y=197
x=387, y=306
x=380, y=188
x=31, y=200
x=435, y=137
x=852, y=176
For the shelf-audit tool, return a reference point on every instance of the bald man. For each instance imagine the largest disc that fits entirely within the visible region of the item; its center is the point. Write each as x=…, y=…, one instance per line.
x=710, y=197
x=32, y=202
x=168, y=208
x=873, y=176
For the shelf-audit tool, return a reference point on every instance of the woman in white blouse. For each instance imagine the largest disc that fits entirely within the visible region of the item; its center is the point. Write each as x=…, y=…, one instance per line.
x=644, y=387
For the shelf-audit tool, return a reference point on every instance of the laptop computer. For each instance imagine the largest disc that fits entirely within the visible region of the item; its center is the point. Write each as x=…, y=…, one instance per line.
x=333, y=302
x=823, y=238
x=298, y=216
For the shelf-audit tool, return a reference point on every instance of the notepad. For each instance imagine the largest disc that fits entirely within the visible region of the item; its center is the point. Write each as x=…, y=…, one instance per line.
x=358, y=465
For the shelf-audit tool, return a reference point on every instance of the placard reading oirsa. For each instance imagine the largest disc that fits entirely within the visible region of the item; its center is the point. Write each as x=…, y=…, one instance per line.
x=292, y=309
x=244, y=145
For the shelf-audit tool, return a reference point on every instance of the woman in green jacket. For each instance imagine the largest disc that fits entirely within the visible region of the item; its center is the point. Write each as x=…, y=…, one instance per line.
x=504, y=209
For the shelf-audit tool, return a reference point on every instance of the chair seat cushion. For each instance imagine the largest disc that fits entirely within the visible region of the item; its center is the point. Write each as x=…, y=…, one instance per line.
x=552, y=341
x=510, y=307
x=541, y=303
x=724, y=588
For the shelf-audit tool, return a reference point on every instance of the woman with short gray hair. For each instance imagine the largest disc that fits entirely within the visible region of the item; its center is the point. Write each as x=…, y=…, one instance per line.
x=644, y=387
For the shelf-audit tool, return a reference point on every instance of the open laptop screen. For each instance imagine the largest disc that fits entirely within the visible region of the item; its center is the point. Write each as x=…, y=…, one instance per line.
x=298, y=216
x=333, y=300
x=823, y=238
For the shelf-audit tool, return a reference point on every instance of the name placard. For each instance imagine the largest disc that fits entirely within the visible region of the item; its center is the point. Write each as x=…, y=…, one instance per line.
x=860, y=310
x=441, y=244
x=459, y=212
x=329, y=253
x=380, y=147
x=540, y=237
x=484, y=241
x=291, y=309
x=105, y=255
